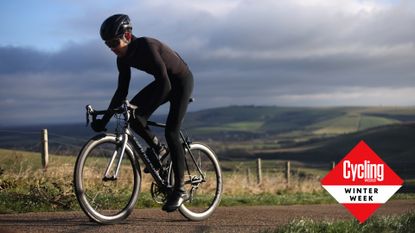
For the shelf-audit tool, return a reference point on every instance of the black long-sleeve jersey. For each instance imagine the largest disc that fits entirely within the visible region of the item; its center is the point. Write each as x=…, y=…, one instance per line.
x=155, y=58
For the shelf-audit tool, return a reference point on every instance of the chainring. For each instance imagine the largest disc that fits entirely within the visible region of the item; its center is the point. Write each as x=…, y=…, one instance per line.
x=158, y=195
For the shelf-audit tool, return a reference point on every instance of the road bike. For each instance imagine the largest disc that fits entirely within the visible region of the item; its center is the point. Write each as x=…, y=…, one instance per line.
x=107, y=174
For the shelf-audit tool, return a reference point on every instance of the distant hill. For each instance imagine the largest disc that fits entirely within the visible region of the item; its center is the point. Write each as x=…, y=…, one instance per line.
x=262, y=129
x=250, y=122
x=393, y=143
x=312, y=135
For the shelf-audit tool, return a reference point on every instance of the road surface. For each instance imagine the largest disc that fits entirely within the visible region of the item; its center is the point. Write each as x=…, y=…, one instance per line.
x=225, y=219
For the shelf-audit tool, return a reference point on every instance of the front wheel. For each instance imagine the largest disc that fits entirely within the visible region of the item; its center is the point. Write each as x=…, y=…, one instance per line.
x=106, y=200
x=203, y=182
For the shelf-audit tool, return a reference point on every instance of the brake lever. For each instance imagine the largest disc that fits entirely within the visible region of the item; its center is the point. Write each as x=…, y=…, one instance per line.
x=89, y=110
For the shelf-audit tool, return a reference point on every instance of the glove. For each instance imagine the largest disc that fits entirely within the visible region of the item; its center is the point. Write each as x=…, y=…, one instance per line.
x=98, y=125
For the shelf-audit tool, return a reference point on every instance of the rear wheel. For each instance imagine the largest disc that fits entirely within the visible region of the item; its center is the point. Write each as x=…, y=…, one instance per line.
x=203, y=182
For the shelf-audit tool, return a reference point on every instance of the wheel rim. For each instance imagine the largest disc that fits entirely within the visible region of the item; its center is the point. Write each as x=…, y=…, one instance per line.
x=205, y=194
x=110, y=200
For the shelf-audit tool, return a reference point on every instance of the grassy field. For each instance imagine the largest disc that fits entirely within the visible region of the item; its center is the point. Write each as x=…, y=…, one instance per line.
x=387, y=224
x=25, y=187
x=350, y=123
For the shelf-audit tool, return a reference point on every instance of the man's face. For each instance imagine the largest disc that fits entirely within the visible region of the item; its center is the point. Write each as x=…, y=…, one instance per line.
x=118, y=46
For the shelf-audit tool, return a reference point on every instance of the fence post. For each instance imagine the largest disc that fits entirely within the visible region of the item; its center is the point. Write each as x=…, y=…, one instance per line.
x=248, y=175
x=45, y=149
x=288, y=172
x=259, y=171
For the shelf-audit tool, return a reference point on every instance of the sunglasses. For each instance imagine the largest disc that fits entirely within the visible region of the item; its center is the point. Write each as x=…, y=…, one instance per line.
x=114, y=43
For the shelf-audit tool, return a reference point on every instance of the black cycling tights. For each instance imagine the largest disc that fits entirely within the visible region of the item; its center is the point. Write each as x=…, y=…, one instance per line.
x=180, y=93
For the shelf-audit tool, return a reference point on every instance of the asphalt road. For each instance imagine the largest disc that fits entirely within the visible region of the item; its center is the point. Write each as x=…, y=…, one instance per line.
x=225, y=219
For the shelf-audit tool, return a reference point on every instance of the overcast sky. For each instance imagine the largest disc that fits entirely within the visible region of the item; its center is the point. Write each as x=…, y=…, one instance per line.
x=242, y=52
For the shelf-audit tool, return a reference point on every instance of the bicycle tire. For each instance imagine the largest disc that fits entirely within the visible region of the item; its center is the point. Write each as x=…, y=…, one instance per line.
x=191, y=209
x=81, y=185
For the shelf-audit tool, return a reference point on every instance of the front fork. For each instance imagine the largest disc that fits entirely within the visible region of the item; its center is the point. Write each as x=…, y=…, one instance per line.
x=118, y=152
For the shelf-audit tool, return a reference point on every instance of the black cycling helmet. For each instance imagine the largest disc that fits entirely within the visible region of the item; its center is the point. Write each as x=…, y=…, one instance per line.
x=115, y=26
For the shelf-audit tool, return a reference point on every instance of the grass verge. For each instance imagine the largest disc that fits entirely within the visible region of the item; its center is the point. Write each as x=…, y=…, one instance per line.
x=384, y=224
x=24, y=187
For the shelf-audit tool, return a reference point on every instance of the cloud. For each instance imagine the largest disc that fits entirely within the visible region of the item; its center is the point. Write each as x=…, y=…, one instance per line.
x=303, y=53
x=16, y=60
x=73, y=58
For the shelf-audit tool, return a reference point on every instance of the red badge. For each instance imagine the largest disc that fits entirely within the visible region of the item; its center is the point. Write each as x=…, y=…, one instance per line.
x=362, y=182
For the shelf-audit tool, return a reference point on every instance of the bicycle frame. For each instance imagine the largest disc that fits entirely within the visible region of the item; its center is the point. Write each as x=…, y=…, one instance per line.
x=186, y=144
x=126, y=136
x=140, y=151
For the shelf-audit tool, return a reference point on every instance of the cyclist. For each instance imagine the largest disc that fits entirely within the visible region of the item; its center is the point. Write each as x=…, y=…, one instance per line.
x=173, y=82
